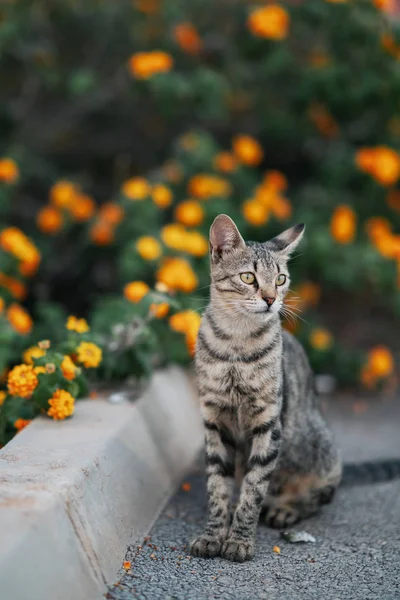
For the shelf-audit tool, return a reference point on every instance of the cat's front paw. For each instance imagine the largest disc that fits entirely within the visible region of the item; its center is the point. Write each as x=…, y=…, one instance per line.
x=238, y=550
x=206, y=546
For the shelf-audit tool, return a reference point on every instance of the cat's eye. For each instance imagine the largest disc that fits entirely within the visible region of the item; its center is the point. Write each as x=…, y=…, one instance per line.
x=280, y=280
x=247, y=278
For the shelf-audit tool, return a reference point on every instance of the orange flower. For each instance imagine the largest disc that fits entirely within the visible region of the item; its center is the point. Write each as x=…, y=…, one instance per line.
x=343, y=224
x=136, y=290
x=367, y=377
x=148, y=7
x=275, y=180
x=309, y=293
x=384, y=5
x=9, y=171
x=380, y=361
x=63, y=193
x=225, y=162
x=323, y=120
x=148, y=248
x=255, y=212
x=204, y=186
x=13, y=240
x=187, y=322
x=83, y=208
x=159, y=311
x=68, y=368
x=393, y=199
x=3, y=396
x=162, y=196
x=62, y=405
x=144, y=65
x=127, y=565
x=187, y=37
x=378, y=227
x=196, y=244
x=381, y=162
x=49, y=220
x=101, y=233
x=389, y=44
x=276, y=549
x=19, y=424
x=19, y=319
x=247, y=150
x=270, y=22
x=111, y=213
x=14, y=286
x=177, y=274
x=2, y=304
x=22, y=381
x=321, y=339
x=136, y=188
x=189, y=213
x=281, y=208
x=186, y=487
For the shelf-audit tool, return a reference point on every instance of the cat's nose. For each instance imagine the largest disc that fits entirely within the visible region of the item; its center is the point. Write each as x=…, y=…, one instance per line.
x=269, y=300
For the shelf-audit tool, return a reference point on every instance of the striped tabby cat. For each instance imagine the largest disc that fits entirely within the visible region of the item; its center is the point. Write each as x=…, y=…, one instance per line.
x=262, y=421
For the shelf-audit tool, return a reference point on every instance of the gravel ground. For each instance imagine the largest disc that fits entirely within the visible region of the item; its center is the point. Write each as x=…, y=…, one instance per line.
x=356, y=555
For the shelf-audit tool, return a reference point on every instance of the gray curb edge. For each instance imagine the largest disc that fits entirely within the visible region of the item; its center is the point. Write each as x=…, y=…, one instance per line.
x=74, y=494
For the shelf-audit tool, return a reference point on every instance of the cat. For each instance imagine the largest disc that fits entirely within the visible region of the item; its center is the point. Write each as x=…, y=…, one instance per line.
x=261, y=417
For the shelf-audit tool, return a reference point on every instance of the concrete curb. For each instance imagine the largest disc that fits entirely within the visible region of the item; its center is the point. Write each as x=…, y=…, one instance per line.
x=74, y=494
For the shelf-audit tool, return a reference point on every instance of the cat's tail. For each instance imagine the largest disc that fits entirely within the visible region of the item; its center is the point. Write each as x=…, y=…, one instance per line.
x=370, y=472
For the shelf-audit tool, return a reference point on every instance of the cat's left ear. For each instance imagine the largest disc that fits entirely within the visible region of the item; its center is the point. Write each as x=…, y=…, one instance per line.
x=286, y=242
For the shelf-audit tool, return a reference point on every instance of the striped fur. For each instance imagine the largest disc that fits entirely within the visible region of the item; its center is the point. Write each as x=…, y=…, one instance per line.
x=262, y=423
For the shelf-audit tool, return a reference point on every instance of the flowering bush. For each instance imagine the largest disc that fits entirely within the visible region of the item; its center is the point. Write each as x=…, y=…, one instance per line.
x=127, y=127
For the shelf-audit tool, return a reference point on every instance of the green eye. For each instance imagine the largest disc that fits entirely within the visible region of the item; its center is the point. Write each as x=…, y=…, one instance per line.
x=280, y=280
x=247, y=278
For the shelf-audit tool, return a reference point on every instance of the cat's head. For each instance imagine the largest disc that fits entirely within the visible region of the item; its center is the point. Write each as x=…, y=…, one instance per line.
x=250, y=278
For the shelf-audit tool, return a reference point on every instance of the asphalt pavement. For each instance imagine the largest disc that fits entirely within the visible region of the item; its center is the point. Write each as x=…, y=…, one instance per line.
x=357, y=549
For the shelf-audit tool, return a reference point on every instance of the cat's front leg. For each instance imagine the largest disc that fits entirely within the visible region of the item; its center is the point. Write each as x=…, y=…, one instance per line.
x=265, y=437
x=220, y=468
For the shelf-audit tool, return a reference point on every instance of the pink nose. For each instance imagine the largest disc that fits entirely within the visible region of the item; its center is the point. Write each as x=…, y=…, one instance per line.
x=268, y=300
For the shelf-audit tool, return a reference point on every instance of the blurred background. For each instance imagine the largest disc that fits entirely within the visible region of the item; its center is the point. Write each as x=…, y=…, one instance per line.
x=126, y=127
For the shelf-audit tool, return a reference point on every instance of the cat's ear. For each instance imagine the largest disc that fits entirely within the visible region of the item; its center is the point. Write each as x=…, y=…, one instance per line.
x=286, y=242
x=224, y=237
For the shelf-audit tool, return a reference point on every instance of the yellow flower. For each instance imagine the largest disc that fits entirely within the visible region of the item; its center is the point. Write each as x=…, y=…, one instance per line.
x=89, y=354
x=187, y=37
x=136, y=290
x=19, y=424
x=63, y=194
x=162, y=196
x=270, y=22
x=111, y=213
x=31, y=353
x=247, y=150
x=144, y=65
x=137, y=188
x=78, y=325
x=82, y=208
x=225, y=162
x=40, y=370
x=205, y=186
x=19, y=319
x=9, y=171
x=148, y=248
x=49, y=220
x=321, y=339
x=3, y=396
x=174, y=236
x=196, y=244
x=380, y=361
x=22, y=381
x=343, y=224
x=255, y=212
x=159, y=311
x=189, y=213
x=68, y=368
x=177, y=274
x=62, y=405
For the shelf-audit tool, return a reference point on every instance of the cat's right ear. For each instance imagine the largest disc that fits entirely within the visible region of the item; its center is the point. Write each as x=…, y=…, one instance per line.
x=224, y=237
